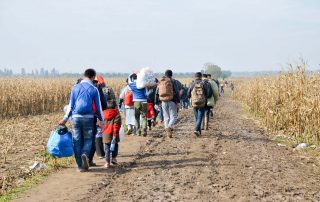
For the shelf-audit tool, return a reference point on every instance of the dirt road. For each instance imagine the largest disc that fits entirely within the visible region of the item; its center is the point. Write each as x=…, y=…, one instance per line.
x=233, y=161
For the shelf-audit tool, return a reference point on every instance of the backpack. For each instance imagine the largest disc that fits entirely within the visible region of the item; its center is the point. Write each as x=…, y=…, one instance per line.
x=128, y=98
x=111, y=98
x=198, y=98
x=208, y=87
x=165, y=89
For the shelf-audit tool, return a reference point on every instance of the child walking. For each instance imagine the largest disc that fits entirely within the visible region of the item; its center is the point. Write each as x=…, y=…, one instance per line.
x=112, y=125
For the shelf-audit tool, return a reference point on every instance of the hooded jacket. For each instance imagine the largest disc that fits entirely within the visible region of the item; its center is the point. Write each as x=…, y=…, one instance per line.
x=112, y=125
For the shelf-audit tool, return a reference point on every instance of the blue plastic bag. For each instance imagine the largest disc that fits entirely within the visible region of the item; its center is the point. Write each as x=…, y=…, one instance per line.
x=60, y=144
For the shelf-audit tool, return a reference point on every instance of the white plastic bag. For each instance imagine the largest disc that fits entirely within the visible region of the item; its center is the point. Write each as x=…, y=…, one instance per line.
x=121, y=134
x=145, y=78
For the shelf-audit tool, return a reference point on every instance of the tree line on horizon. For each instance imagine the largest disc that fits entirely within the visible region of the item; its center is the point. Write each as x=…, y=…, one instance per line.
x=209, y=68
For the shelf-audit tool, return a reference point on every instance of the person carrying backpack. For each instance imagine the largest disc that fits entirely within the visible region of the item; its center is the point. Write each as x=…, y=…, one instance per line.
x=126, y=97
x=140, y=104
x=198, y=93
x=83, y=99
x=168, y=94
x=212, y=91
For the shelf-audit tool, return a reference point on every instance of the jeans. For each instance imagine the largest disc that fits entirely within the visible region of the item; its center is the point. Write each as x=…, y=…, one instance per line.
x=114, y=153
x=82, y=137
x=170, y=113
x=161, y=113
x=140, y=108
x=185, y=104
x=198, y=115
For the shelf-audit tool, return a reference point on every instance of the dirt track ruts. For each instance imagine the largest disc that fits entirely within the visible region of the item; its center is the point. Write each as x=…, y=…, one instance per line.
x=233, y=161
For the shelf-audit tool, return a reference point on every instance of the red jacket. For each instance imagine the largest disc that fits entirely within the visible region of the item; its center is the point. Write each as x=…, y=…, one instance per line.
x=112, y=125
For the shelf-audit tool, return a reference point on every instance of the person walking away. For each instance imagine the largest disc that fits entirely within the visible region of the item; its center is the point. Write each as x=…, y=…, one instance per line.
x=140, y=104
x=210, y=86
x=151, y=115
x=111, y=130
x=126, y=97
x=168, y=94
x=97, y=144
x=232, y=86
x=222, y=87
x=216, y=81
x=83, y=97
x=184, y=97
x=198, y=94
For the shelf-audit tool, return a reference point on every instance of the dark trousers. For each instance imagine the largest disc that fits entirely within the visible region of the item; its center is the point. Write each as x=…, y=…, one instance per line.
x=93, y=148
x=114, y=153
x=206, y=117
x=100, y=147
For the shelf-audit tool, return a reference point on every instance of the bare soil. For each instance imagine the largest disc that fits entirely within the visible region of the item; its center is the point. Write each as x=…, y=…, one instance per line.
x=232, y=161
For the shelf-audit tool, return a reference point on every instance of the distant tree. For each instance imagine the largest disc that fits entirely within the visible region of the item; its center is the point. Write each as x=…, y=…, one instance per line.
x=212, y=69
x=23, y=71
x=41, y=72
x=225, y=74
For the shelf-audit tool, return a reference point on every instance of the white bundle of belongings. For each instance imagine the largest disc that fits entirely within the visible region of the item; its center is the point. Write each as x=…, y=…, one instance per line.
x=146, y=78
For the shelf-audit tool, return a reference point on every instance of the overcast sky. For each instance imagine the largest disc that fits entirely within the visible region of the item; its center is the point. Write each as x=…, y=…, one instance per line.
x=122, y=35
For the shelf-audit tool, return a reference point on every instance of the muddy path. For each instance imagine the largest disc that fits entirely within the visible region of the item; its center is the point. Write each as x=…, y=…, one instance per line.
x=233, y=161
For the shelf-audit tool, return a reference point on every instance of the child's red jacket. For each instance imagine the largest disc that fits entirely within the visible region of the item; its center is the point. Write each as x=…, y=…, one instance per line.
x=112, y=125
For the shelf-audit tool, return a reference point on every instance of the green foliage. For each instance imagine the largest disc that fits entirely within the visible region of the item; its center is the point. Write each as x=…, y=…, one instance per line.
x=215, y=71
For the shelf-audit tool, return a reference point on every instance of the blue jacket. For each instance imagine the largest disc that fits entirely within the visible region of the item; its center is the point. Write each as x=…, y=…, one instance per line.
x=139, y=95
x=82, y=97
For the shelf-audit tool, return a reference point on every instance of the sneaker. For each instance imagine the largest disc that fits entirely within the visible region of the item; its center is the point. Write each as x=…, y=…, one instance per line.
x=91, y=164
x=107, y=165
x=80, y=170
x=85, y=163
x=197, y=133
x=114, y=161
x=101, y=157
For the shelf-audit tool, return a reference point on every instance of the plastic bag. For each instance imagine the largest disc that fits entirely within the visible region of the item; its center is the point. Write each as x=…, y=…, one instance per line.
x=99, y=133
x=121, y=134
x=60, y=145
x=145, y=78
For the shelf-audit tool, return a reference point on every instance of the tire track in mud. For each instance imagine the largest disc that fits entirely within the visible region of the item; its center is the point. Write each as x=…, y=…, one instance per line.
x=233, y=161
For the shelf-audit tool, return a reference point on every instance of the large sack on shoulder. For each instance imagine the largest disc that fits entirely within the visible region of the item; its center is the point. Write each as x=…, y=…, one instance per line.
x=146, y=78
x=60, y=142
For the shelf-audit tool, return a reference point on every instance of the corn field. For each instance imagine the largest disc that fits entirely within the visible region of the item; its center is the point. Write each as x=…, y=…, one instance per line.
x=35, y=96
x=289, y=102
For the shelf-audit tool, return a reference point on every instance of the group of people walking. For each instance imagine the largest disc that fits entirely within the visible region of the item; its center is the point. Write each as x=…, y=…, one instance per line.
x=95, y=112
